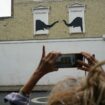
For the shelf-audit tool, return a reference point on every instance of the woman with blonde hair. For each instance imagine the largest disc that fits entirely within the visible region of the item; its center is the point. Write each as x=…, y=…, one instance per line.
x=71, y=91
x=87, y=91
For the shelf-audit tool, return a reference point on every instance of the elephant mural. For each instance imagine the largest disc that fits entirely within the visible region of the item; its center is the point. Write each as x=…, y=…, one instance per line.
x=40, y=25
x=77, y=22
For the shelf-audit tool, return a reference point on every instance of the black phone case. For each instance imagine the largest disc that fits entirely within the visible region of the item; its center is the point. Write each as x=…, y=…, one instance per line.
x=68, y=60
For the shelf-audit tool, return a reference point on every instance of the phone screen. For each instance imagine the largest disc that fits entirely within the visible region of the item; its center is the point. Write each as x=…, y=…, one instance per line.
x=68, y=60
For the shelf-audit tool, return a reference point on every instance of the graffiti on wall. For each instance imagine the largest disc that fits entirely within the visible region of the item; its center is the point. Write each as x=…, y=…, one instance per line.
x=41, y=21
x=76, y=19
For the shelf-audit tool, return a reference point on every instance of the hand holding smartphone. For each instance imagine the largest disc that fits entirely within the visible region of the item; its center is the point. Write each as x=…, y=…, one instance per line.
x=68, y=60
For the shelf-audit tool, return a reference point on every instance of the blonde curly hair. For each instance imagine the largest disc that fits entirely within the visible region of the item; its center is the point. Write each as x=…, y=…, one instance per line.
x=87, y=91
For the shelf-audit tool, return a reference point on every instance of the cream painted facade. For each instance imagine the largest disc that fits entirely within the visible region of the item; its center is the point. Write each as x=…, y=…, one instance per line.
x=20, y=49
x=20, y=26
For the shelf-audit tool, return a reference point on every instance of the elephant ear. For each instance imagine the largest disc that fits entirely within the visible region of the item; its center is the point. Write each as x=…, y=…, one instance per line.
x=40, y=25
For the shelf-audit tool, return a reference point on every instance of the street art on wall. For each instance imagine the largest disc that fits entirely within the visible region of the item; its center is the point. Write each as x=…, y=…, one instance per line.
x=76, y=22
x=41, y=25
x=40, y=20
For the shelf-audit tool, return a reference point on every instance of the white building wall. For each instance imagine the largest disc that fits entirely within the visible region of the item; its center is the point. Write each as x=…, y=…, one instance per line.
x=18, y=59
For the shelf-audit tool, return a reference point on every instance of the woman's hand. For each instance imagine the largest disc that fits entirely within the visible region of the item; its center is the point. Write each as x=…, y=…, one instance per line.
x=91, y=61
x=46, y=64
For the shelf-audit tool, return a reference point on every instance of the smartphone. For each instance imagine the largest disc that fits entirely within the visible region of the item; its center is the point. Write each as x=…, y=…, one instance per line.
x=68, y=60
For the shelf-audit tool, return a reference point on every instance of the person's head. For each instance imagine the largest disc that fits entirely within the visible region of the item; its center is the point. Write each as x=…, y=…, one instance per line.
x=74, y=92
x=66, y=92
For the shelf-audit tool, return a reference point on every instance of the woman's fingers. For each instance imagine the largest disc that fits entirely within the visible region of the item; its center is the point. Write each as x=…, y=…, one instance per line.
x=52, y=57
x=49, y=61
x=81, y=63
x=43, y=51
x=83, y=66
x=91, y=59
x=43, y=54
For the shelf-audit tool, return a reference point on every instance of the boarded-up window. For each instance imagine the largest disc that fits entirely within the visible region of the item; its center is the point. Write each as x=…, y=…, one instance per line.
x=5, y=8
x=76, y=19
x=40, y=20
